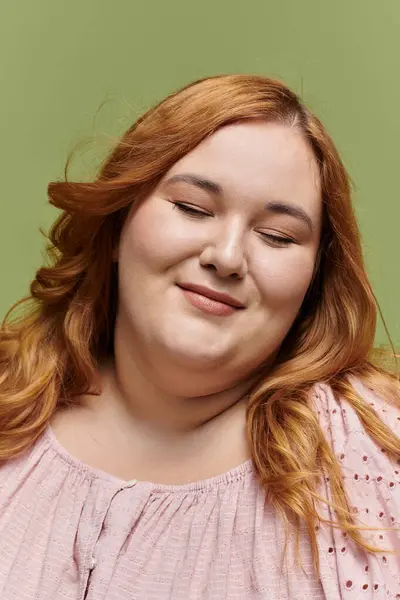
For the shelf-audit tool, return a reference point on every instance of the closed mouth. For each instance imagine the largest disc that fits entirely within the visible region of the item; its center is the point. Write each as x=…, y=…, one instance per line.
x=213, y=295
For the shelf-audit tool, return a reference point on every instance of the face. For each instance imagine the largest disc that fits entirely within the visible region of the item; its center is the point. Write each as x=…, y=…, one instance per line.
x=215, y=263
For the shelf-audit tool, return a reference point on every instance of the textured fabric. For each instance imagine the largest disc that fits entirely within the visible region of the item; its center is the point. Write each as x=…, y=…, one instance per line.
x=68, y=531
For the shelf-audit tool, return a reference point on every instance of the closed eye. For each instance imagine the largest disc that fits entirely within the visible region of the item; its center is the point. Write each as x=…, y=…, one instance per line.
x=191, y=211
x=276, y=240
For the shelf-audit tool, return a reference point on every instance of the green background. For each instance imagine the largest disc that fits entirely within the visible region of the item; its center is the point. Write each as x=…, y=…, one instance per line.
x=74, y=69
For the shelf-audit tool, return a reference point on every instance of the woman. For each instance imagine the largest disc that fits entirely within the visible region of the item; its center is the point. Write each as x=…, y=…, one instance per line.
x=190, y=408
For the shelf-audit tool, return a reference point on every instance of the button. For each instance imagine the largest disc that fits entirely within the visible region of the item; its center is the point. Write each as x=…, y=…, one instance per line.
x=131, y=483
x=92, y=563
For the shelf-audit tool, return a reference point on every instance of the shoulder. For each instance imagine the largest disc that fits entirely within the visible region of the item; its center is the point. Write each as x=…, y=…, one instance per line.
x=339, y=419
x=363, y=460
x=372, y=484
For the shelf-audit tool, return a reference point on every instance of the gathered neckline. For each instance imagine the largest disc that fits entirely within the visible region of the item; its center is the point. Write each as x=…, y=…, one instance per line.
x=235, y=474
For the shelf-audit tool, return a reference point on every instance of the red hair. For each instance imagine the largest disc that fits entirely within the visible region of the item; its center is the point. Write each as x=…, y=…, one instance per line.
x=50, y=354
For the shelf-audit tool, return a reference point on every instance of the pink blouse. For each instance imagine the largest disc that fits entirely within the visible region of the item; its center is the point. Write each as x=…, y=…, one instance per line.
x=68, y=531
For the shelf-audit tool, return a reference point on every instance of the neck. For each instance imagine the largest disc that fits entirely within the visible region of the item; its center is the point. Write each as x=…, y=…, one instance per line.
x=134, y=395
x=138, y=429
x=167, y=398
x=168, y=414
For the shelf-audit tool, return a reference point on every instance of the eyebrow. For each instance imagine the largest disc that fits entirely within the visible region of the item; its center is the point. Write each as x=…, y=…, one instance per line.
x=200, y=182
x=273, y=206
x=291, y=210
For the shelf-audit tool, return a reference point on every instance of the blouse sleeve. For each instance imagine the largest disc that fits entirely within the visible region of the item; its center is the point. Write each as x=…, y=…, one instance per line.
x=372, y=484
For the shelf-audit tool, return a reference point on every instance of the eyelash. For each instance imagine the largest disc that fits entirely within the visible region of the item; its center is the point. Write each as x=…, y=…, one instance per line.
x=277, y=241
x=191, y=211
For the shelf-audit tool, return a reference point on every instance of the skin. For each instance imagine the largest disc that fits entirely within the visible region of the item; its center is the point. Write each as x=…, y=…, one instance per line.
x=172, y=408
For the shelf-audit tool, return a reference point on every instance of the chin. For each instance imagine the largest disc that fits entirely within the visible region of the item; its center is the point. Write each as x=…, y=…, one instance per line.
x=200, y=357
x=197, y=374
x=198, y=352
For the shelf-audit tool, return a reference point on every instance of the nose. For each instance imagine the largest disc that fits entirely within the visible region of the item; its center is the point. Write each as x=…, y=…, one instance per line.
x=225, y=253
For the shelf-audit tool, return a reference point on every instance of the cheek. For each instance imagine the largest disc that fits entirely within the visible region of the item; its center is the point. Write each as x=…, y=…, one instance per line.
x=155, y=237
x=283, y=280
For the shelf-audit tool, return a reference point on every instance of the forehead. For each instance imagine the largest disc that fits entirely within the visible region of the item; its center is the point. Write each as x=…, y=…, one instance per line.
x=258, y=160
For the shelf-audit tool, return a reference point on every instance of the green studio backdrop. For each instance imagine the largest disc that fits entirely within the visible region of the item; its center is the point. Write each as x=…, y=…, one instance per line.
x=73, y=70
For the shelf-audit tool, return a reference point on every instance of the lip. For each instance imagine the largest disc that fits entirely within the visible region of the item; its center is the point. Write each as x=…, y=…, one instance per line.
x=212, y=294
